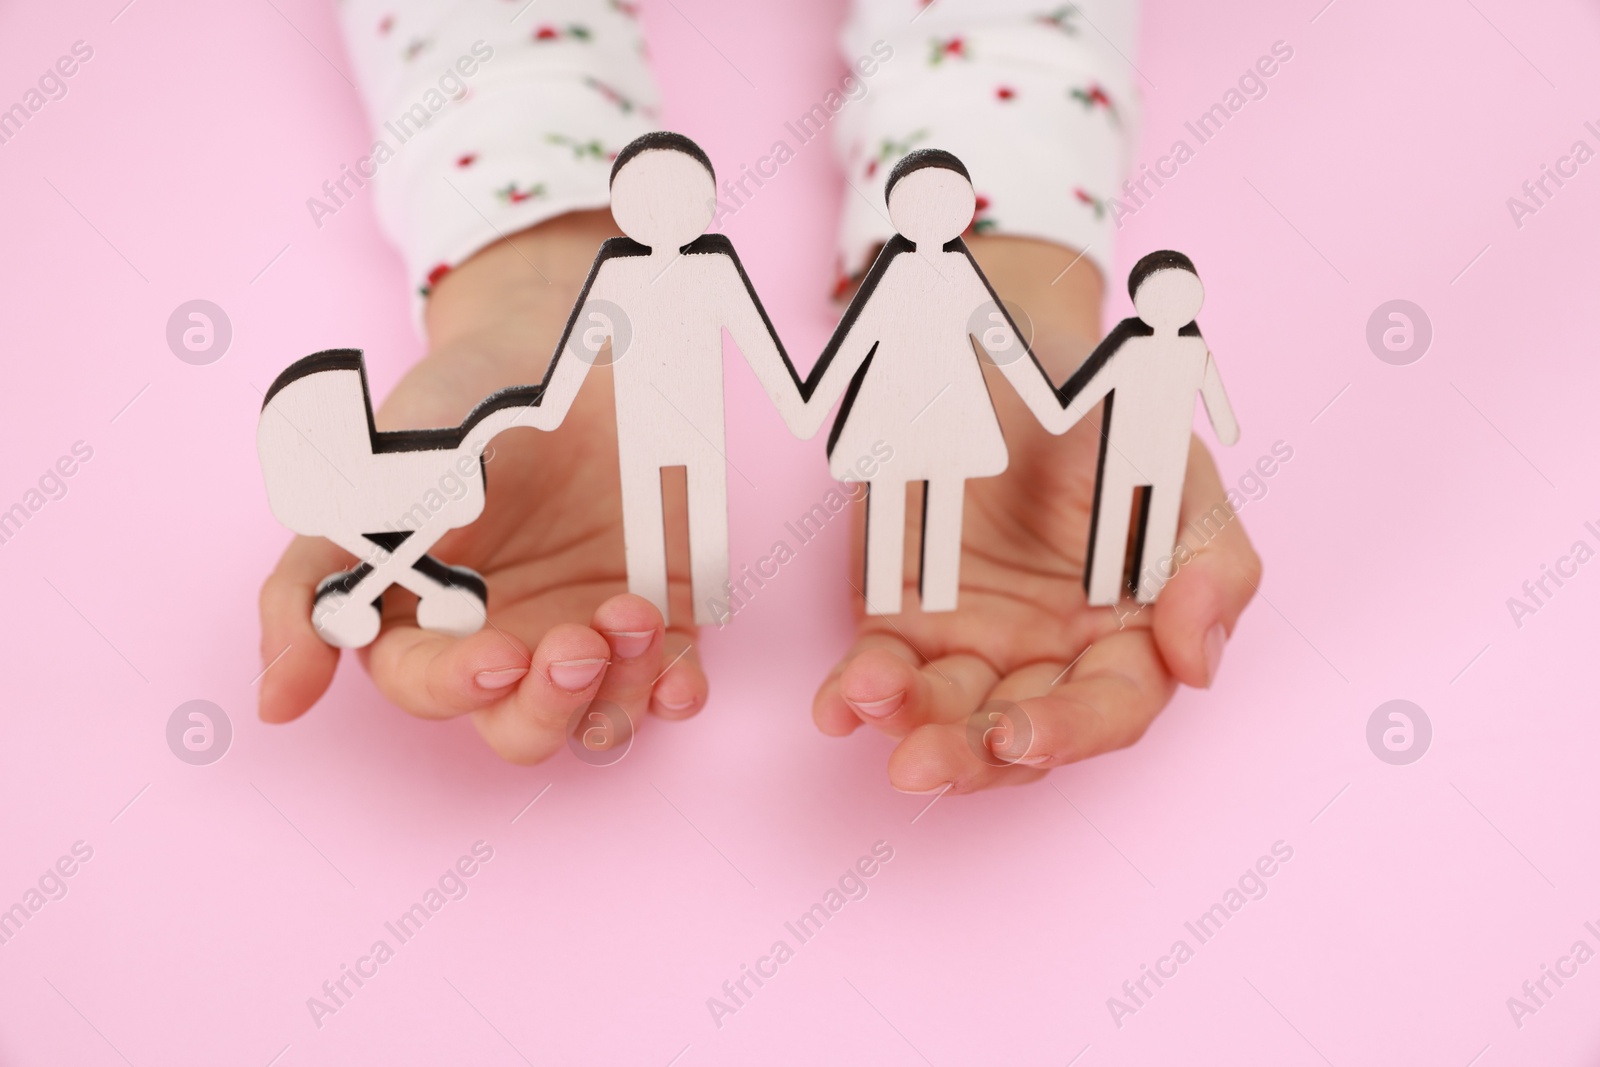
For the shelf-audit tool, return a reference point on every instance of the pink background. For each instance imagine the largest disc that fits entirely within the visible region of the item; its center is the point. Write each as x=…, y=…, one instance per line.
x=223, y=896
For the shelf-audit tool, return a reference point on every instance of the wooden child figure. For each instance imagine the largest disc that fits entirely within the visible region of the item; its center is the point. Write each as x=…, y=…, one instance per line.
x=1147, y=370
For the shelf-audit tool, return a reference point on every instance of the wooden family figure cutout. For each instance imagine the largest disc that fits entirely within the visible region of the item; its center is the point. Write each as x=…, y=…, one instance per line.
x=1148, y=370
x=903, y=365
x=661, y=297
x=653, y=307
x=904, y=359
x=906, y=347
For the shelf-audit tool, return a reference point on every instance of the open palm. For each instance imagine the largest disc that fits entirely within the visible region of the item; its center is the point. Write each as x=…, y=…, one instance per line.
x=562, y=632
x=1024, y=675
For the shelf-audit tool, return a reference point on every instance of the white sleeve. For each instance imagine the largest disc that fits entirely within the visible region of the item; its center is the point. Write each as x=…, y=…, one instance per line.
x=1038, y=99
x=489, y=117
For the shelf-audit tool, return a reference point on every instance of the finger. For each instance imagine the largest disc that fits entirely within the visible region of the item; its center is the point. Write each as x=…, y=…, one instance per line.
x=681, y=688
x=897, y=697
x=298, y=664
x=633, y=629
x=1217, y=574
x=829, y=710
x=436, y=676
x=1107, y=701
x=937, y=759
x=530, y=723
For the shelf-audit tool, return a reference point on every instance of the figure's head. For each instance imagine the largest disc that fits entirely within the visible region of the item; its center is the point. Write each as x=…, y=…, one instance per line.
x=930, y=197
x=663, y=190
x=1166, y=291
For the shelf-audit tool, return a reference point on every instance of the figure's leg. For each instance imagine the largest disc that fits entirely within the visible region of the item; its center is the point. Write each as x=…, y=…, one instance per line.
x=1160, y=537
x=941, y=543
x=886, y=545
x=644, y=535
x=708, y=538
x=1108, y=541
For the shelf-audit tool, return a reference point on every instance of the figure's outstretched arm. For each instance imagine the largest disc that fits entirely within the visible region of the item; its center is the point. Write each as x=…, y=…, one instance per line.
x=587, y=331
x=1217, y=406
x=1011, y=354
x=753, y=332
x=854, y=341
x=1098, y=374
x=1056, y=409
x=804, y=403
x=852, y=344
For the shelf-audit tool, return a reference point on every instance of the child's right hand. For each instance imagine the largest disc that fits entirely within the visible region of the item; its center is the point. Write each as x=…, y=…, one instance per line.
x=549, y=543
x=1026, y=676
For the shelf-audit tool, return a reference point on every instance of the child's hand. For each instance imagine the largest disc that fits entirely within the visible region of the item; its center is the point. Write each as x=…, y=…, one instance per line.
x=930, y=679
x=549, y=542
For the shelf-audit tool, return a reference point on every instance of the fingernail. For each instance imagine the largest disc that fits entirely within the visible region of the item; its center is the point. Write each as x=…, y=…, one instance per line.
x=878, y=709
x=1031, y=761
x=1216, y=641
x=683, y=705
x=576, y=675
x=628, y=644
x=500, y=677
x=921, y=792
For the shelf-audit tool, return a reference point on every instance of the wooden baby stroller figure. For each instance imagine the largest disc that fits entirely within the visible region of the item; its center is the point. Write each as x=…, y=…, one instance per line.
x=385, y=497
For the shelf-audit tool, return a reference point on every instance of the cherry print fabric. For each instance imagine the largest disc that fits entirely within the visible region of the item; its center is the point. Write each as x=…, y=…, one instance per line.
x=490, y=116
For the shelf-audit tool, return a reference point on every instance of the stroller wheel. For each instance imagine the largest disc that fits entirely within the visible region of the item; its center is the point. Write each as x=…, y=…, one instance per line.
x=340, y=621
x=459, y=608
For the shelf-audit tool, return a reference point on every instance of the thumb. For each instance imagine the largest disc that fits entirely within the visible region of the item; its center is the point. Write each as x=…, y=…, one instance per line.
x=298, y=665
x=1217, y=575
